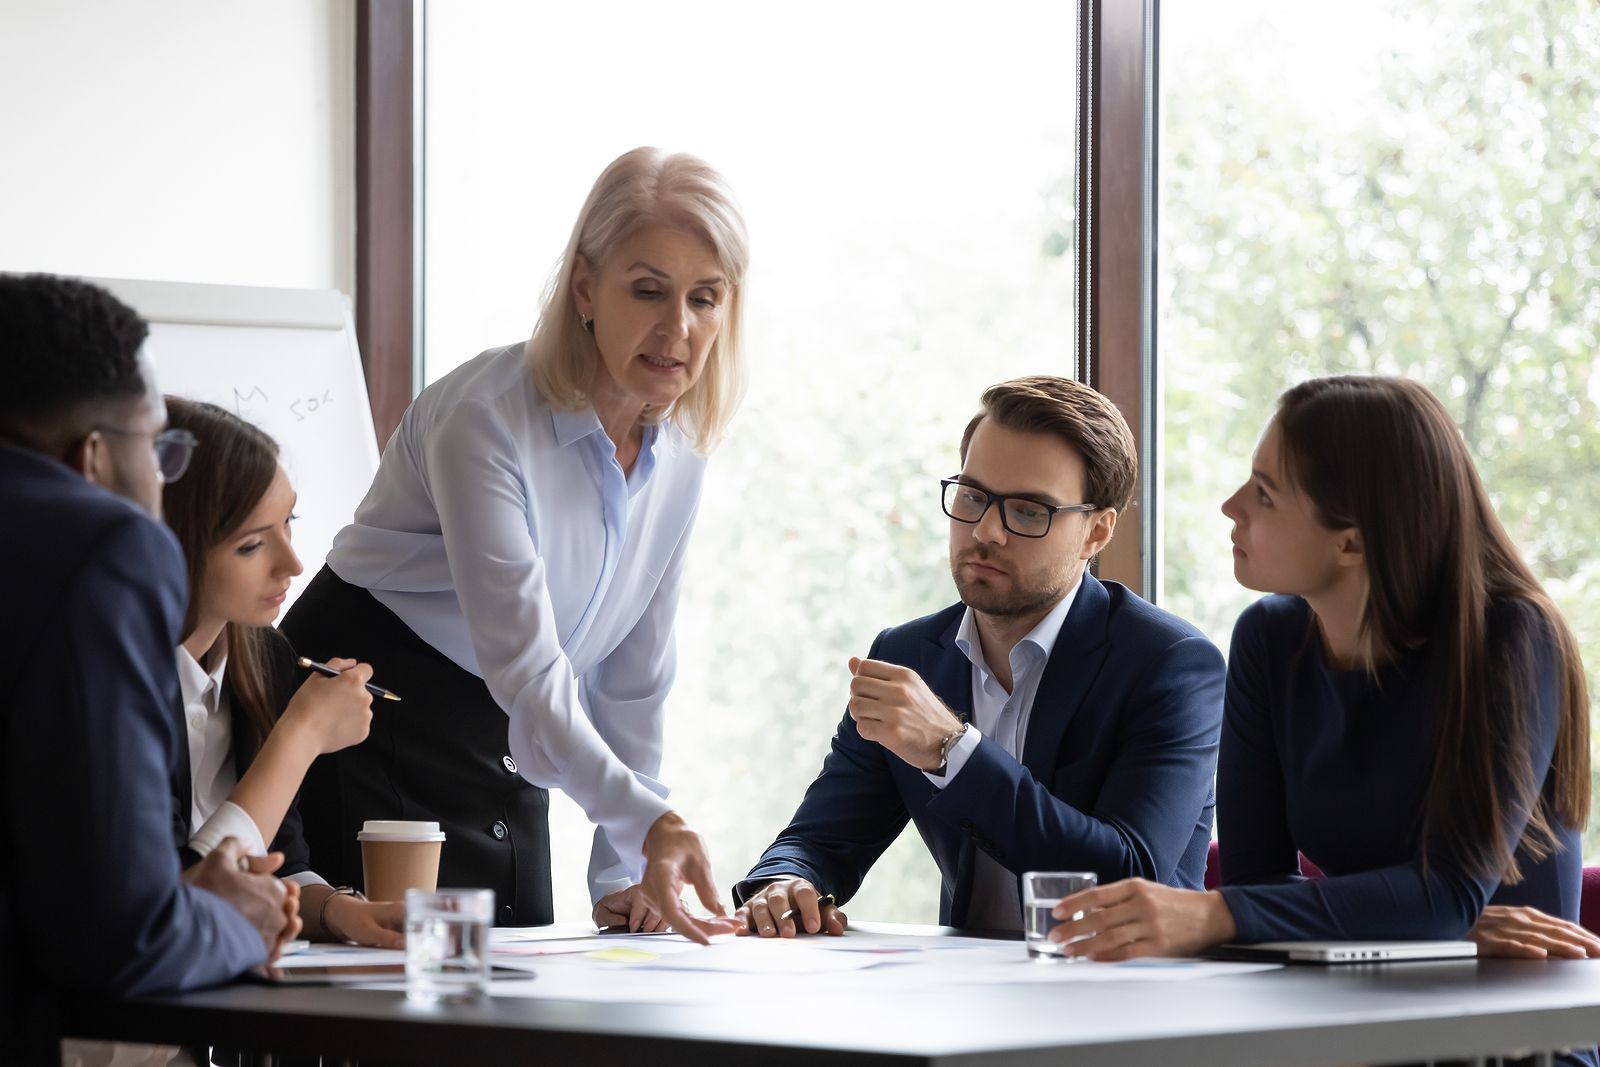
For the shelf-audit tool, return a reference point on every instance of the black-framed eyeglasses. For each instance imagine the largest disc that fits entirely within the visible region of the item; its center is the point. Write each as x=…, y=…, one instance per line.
x=1020, y=515
x=173, y=449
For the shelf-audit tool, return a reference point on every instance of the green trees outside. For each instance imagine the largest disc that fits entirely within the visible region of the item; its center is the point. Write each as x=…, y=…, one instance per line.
x=1433, y=213
x=1414, y=192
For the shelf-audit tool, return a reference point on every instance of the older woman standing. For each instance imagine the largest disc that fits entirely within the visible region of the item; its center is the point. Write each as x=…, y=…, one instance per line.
x=519, y=558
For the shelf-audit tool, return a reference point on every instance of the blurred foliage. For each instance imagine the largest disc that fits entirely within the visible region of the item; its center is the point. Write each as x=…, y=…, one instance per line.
x=820, y=525
x=1445, y=229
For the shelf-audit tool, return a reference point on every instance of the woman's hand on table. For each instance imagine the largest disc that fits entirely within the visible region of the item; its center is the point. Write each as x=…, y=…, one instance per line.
x=1135, y=917
x=1530, y=934
x=675, y=857
x=378, y=923
x=629, y=908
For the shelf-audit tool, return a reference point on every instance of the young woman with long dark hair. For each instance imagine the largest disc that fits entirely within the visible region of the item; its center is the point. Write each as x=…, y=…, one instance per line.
x=253, y=730
x=1407, y=709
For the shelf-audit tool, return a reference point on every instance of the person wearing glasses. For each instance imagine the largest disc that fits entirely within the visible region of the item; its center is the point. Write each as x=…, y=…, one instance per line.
x=514, y=570
x=254, y=722
x=94, y=597
x=1048, y=721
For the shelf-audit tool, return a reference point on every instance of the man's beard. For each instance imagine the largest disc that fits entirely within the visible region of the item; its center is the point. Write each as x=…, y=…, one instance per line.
x=1025, y=598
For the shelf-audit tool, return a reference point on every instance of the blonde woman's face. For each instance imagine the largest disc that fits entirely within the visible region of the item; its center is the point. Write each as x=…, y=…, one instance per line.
x=657, y=305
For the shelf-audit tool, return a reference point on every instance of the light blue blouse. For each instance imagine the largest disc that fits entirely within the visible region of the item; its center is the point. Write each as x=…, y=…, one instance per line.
x=504, y=533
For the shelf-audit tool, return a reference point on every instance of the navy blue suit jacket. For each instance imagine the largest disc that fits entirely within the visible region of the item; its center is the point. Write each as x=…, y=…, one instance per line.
x=1115, y=777
x=93, y=594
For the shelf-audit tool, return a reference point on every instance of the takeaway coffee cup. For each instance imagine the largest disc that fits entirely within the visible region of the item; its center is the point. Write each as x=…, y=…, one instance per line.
x=396, y=856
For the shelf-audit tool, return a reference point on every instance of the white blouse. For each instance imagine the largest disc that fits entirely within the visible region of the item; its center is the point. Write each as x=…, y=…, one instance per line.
x=208, y=724
x=503, y=532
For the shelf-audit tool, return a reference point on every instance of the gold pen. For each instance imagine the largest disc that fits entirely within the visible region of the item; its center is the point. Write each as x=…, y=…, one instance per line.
x=322, y=668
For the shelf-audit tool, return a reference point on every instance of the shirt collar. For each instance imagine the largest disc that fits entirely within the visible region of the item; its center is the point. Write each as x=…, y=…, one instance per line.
x=1042, y=637
x=194, y=681
x=570, y=426
x=573, y=425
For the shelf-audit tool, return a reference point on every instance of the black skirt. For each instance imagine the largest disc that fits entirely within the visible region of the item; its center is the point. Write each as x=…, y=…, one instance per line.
x=439, y=754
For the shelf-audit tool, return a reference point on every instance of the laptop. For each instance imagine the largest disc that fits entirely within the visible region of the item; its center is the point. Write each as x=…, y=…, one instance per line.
x=1331, y=952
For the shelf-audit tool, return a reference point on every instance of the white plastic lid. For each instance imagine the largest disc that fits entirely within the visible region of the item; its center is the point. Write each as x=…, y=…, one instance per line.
x=399, y=830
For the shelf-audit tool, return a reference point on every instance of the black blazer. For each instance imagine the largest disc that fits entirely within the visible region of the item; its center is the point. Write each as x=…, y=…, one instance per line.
x=93, y=594
x=283, y=678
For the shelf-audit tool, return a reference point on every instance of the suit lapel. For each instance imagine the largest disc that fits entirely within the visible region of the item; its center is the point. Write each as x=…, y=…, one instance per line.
x=1067, y=676
x=948, y=673
x=947, y=670
x=245, y=743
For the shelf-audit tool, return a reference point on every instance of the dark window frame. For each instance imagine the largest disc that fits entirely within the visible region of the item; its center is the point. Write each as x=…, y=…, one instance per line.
x=1116, y=228
x=387, y=183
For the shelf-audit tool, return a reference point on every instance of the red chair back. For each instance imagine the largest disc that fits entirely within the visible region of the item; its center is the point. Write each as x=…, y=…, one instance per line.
x=1589, y=901
x=1311, y=870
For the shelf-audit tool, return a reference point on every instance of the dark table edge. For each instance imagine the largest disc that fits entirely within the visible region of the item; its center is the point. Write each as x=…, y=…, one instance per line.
x=430, y=1041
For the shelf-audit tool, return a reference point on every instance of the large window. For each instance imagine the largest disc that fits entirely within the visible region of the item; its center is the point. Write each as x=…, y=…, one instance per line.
x=907, y=175
x=1373, y=187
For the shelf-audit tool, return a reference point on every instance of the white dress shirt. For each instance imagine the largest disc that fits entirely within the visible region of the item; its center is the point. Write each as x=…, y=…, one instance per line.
x=1003, y=717
x=504, y=533
x=208, y=722
x=209, y=726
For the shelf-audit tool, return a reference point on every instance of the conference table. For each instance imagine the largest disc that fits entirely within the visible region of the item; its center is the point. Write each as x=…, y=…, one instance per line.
x=1298, y=1015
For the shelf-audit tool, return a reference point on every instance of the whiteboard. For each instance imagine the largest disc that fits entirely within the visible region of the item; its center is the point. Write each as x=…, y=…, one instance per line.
x=286, y=360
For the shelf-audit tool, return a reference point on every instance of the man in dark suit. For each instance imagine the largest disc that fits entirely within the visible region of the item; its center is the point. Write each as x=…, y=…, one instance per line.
x=91, y=896
x=1050, y=721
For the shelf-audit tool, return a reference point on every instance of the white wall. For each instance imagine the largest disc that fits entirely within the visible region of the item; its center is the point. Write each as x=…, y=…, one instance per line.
x=186, y=140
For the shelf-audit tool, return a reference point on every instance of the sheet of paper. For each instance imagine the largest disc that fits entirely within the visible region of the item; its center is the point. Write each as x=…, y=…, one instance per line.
x=756, y=956
x=324, y=955
x=867, y=965
x=621, y=968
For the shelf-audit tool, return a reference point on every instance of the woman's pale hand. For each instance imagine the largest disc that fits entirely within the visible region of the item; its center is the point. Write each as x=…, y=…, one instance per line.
x=629, y=908
x=332, y=713
x=1135, y=917
x=1530, y=934
x=379, y=923
x=675, y=857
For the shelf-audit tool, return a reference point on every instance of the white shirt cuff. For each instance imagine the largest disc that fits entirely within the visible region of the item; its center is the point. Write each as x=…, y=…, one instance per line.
x=627, y=835
x=958, y=757
x=305, y=878
x=229, y=820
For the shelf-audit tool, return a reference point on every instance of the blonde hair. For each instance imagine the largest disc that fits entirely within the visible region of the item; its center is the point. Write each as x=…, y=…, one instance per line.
x=644, y=187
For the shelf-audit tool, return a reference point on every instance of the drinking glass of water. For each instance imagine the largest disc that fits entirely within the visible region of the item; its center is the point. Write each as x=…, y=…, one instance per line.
x=447, y=943
x=1041, y=892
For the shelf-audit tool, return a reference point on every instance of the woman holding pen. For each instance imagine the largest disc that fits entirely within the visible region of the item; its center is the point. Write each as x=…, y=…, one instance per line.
x=514, y=570
x=252, y=728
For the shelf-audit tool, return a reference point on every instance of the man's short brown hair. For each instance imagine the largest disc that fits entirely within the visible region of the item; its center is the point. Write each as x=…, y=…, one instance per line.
x=1083, y=418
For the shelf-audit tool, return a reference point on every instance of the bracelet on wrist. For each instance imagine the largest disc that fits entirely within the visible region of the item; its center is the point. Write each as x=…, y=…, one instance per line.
x=948, y=745
x=322, y=912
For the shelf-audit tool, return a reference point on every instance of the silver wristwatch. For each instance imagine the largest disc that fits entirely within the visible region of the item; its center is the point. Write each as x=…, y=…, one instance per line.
x=945, y=747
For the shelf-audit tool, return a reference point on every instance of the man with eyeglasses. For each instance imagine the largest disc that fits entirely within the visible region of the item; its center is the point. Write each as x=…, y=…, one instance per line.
x=91, y=897
x=1050, y=721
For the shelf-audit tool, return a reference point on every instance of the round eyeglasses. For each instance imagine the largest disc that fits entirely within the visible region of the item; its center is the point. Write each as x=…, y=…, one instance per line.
x=173, y=449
